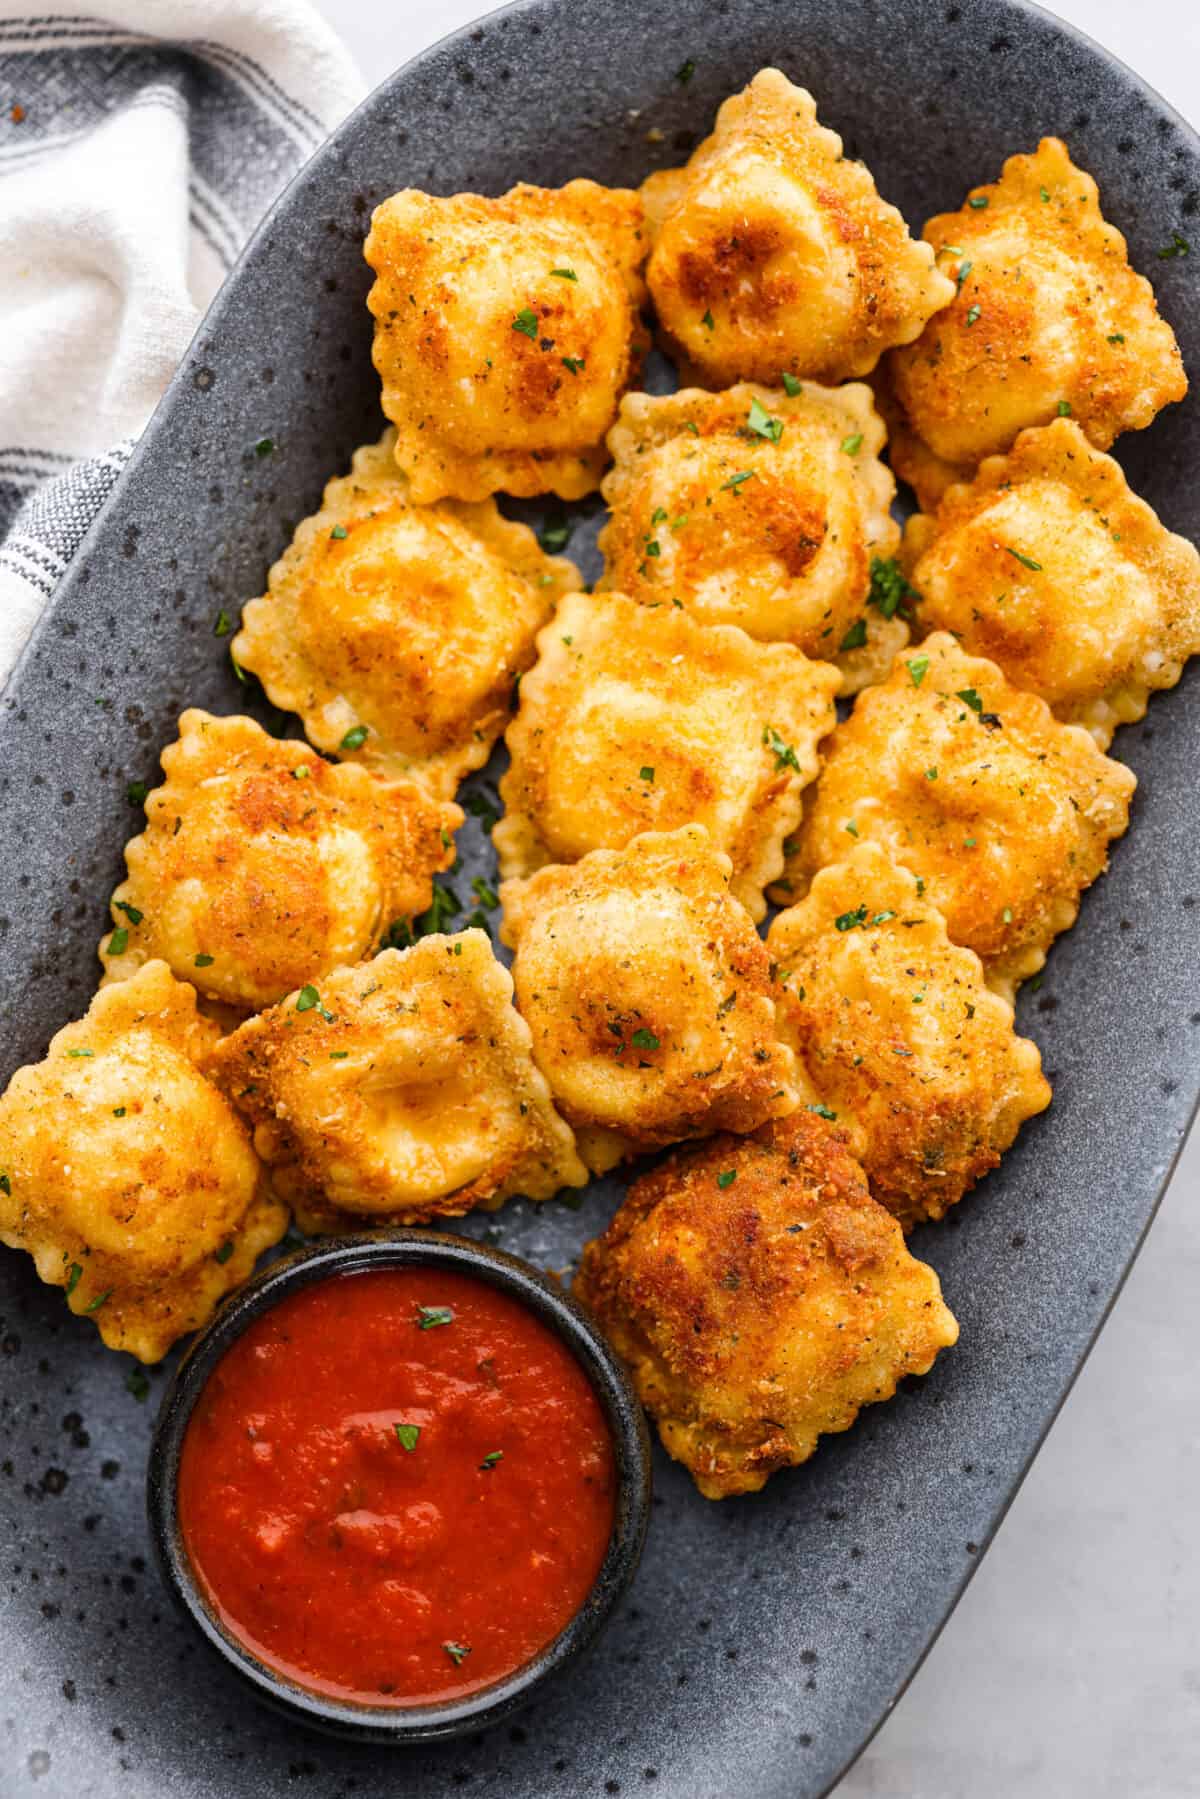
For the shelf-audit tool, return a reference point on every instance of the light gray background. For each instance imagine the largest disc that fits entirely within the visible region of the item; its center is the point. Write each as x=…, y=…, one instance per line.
x=1071, y=1669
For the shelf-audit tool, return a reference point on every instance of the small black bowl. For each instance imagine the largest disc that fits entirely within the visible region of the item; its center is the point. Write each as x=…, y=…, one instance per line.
x=352, y=1255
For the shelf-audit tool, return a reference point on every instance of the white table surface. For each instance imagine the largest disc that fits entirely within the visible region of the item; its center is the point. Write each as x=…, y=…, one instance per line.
x=1071, y=1669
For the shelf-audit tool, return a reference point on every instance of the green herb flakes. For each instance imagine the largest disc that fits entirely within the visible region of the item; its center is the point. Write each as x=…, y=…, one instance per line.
x=135, y=792
x=355, y=737
x=430, y=1317
x=526, y=323
x=791, y=386
x=118, y=942
x=223, y=1254
x=93, y=1305
x=307, y=998
x=573, y=364
x=339, y=533
x=917, y=668
x=644, y=1039
x=137, y=1382
x=131, y=912
x=973, y=315
x=458, y=1652
x=1178, y=246
x=851, y=921
x=684, y=72
x=74, y=1276
x=977, y=202
x=1025, y=561
x=785, y=756
x=890, y=592
x=223, y=624
x=735, y=481
x=969, y=697
x=708, y=321
x=565, y=274
x=1064, y=409
x=485, y=893
x=763, y=424
x=203, y=961
x=647, y=774
x=490, y=1459
x=81, y=1054
x=823, y=1112
x=853, y=444
x=408, y=1435
x=264, y=446
x=555, y=533
x=727, y=1178
x=855, y=637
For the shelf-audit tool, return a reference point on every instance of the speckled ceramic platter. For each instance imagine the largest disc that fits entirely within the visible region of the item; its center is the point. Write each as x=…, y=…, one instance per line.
x=765, y=1638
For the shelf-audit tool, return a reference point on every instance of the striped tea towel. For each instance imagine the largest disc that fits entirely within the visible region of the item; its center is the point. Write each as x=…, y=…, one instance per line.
x=139, y=144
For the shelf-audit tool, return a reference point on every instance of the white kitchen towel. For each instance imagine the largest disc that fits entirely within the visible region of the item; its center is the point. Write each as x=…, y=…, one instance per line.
x=139, y=145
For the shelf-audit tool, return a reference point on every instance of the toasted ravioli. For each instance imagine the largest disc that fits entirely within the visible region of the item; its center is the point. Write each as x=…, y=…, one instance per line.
x=635, y=718
x=900, y=1036
x=759, y=508
x=1049, y=565
x=399, y=1091
x=397, y=631
x=648, y=995
x=761, y=1298
x=126, y=1175
x=773, y=252
x=1004, y=814
x=262, y=865
x=1048, y=318
x=506, y=331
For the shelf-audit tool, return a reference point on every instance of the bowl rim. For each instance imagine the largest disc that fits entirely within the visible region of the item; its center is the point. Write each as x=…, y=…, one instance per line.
x=357, y=1253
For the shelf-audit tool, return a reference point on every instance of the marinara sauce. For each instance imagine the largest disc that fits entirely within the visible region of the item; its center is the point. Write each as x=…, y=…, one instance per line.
x=397, y=1486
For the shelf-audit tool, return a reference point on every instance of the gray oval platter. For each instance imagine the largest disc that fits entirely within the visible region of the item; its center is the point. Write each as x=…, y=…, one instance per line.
x=764, y=1638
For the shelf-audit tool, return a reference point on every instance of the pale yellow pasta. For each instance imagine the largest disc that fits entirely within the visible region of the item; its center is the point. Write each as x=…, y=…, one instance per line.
x=646, y=989
x=1048, y=564
x=773, y=252
x=900, y=1036
x=760, y=508
x=397, y=631
x=126, y=1175
x=399, y=1091
x=1049, y=318
x=1004, y=814
x=262, y=865
x=506, y=331
x=635, y=718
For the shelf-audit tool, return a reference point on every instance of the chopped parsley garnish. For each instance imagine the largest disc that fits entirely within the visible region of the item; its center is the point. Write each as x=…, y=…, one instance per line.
x=93, y=1305
x=1045, y=193
x=491, y=1458
x=684, y=72
x=964, y=269
x=853, y=444
x=850, y=921
x=647, y=774
x=131, y=912
x=708, y=321
x=1064, y=409
x=354, y=739
x=978, y=202
x=653, y=547
x=429, y=1317
x=856, y=636
x=74, y=1278
x=791, y=386
x=745, y=474
x=485, y=893
x=203, y=961
x=565, y=274
x=931, y=774
x=554, y=534
x=644, y=1039
x=481, y=806
x=526, y=323
x=785, y=756
x=917, y=668
x=338, y=1055
x=118, y=943
x=573, y=364
x=408, y=1435
x=301, y=771
x=727, y=1179
x=5, y=1184
x=763, y=424
x=1116, y=337
x=135, y=792
x=338, y=533
x=823, y=1111
x=307, y=998
x=264, y=446
x=137, y=1382
x=889, y=589
x=969, y=697
x=1178, y=246
x=223, y=624
x=972, y=315
x=223, y=1254
x=81, y=1053
x=1025, y=561
x=458, y=1652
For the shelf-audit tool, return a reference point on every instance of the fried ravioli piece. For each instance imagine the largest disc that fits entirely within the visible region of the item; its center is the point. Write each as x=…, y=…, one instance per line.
x=1049, y=565
x=126, y=1175
x=760, y=508
x=899, y=1035
x=773, y=252
x=506, y=331
x=761, y=1298
x=647, y=992
x=262, y=865
x=1049, y=318
x=1004, y=814
x=399, y=1091
x=396, y=631
x=635, y=718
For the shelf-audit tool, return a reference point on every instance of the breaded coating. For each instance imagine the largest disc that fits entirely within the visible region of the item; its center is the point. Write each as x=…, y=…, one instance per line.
x=396, y=631
x=773, y=252
x=1048, y=319
x=262, y=865
x=760, y=508
x=1048, y=564
x=761, y=1298
x=899, y=1035
x=647, y=991
x=506, y=330
x=1004, y=814
x=635, y=718
x=126, y=1175
x=399, y=1091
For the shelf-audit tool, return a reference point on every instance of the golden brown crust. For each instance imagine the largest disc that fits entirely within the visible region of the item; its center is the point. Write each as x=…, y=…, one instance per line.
x=647, y=992
x=499, y=371
x=758, y=508
x=900, y=1036
x=127, y=1176
x=1004, y=813
x=635, y=718
x=397, y=631
x=1050, y=566
x=772, y=251
x=262, y=865
x=399, y=1091
x=761, y=1298
x=1048, y=314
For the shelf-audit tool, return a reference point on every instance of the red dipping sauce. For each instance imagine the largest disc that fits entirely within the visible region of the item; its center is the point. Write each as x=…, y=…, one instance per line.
x=397, y=1486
